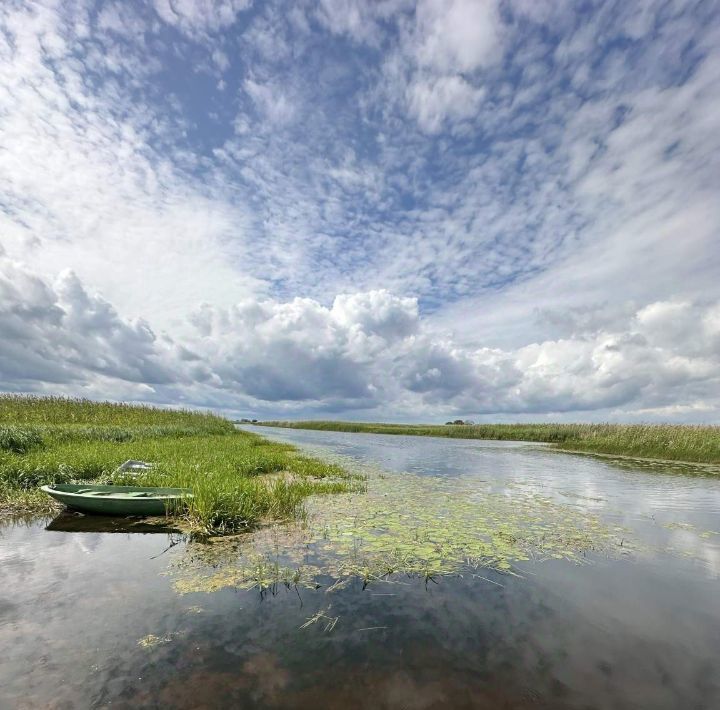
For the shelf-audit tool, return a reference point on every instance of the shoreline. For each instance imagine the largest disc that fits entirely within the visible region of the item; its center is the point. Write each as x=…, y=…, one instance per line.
x=238, y=478
x=697, y=446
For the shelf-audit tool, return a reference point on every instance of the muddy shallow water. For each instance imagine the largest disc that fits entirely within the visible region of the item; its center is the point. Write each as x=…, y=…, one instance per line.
x=610, y=598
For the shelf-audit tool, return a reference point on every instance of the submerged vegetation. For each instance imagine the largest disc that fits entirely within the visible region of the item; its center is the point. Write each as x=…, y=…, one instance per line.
x=672, y=442
x=405, y=524
x=237, y=478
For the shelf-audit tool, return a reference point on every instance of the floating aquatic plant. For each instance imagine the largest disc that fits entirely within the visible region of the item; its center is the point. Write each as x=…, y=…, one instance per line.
x=152, y=640
x=403, y=524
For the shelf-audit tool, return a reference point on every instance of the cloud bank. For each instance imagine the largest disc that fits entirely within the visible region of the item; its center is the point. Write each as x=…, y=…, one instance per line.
x=364, y=351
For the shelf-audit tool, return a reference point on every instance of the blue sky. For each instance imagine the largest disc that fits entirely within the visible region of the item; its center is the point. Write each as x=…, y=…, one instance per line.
x=376, y=210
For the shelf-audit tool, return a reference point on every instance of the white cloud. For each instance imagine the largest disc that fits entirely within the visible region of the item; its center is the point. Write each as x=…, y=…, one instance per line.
x=626, y=213
x=302, y=351
x=272, y=101
x=360, y=20
x=221, y=59
x=377, y=313
x=456, y=36
x=433, y=100
x=59, y=333
x=364, y=352
x=198, y=17
x=81, y=186
x=437, y=67
x=632, y=364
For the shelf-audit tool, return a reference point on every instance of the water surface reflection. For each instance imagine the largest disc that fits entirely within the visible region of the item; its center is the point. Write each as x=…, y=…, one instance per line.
x=640, y=630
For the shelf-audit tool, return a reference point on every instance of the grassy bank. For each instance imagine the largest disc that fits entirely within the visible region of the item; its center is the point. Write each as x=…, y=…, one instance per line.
x=237, y=478
x=699, y=444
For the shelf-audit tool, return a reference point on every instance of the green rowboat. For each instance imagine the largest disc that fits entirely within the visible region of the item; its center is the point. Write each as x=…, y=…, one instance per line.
x=117, y=500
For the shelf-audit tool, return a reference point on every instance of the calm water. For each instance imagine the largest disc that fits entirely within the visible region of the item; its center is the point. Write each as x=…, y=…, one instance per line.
x=638, y=630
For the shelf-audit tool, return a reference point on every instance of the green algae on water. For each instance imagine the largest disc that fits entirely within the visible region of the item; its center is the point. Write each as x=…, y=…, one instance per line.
x=404, y=524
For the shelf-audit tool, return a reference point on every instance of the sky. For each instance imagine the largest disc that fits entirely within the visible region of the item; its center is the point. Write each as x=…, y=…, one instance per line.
x=503, y=210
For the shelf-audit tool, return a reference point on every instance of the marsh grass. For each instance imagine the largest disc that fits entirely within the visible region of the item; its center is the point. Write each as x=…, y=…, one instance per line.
x=62, y=411
x=19, y=504
x=19, y=440
x=672, y=442
x=232, y=473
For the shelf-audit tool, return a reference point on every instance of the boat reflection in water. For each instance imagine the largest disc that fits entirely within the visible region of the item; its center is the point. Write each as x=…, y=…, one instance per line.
x=72, y=522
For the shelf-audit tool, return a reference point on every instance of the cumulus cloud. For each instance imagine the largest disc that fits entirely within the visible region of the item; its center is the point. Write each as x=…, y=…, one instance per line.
x=363, y=351
x=59, y=333
x=377, y=313
x=654, y=358
x=301, y=350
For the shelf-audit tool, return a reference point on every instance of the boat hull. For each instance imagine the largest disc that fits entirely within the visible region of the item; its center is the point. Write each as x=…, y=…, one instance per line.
x=118, y=500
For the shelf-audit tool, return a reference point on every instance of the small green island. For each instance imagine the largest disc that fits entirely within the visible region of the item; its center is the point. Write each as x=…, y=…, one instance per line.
x=238, y=478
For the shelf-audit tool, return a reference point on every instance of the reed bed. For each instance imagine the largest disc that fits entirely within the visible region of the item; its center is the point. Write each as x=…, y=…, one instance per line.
x=64, y=411
x=237, y=478
x=673, y=442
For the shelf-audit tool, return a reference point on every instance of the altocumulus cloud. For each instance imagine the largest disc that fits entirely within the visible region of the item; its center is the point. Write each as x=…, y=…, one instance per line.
x=407, y=209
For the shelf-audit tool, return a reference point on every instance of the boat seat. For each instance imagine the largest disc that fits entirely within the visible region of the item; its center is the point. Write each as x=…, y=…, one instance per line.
x=130, y=494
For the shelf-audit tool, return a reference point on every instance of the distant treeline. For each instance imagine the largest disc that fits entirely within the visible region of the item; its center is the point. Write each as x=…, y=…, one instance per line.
x=677, y=442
